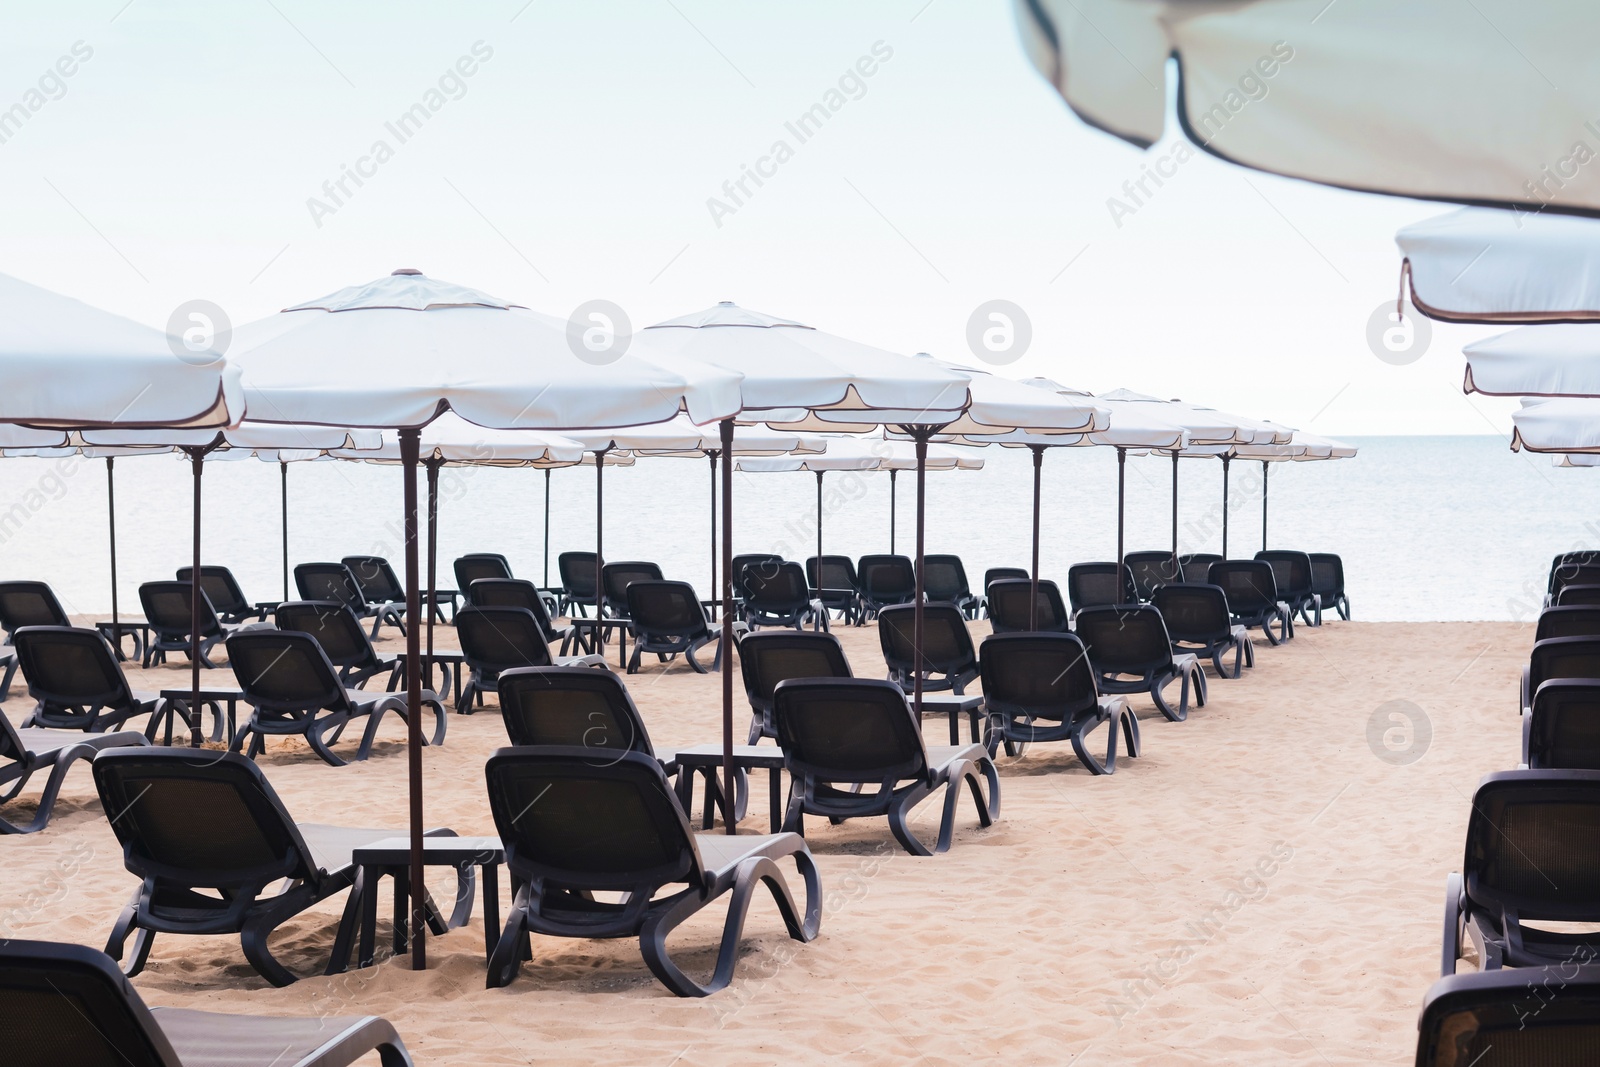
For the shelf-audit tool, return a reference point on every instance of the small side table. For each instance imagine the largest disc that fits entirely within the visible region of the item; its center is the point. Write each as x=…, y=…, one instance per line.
x=589, y=636
x=707, y=760
x=392, y=857
x=955, y=707
x=450, y=661
x=176, y=702
x=114, y=632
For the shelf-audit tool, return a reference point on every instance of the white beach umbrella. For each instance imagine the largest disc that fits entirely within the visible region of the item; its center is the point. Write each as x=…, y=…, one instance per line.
x=1558, y=425
x=1554, y=360
x=398, y=352
x=1302, y=447
x=1424, y=99
x=69, y=365
x=1485, y=265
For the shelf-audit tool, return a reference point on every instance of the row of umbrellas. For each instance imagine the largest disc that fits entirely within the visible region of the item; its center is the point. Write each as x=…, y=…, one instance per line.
x=457, y=375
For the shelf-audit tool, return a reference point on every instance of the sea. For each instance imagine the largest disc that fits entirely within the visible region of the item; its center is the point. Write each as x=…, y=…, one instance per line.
x=1429, y=528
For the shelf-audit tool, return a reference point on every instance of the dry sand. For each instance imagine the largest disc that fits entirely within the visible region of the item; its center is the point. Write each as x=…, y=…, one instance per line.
x=1260, y=887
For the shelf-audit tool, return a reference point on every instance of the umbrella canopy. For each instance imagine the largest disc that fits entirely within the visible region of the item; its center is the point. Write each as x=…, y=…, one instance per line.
x=1380, y=97
x=66, y=364
x=856, y=454
x=1557, y=425
x=451, y=439
x=1480, y=265
x=1555, y=360
x=397, y=352
x=681, y=438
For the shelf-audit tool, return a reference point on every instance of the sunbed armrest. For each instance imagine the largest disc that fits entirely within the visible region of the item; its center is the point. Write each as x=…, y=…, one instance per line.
x=1527, y=697
x=1452, y=926
x=1527, y=735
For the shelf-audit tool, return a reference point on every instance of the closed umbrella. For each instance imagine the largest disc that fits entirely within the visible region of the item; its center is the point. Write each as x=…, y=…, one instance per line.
x=1425, y=99
x=1486, y=265
x=398, y=352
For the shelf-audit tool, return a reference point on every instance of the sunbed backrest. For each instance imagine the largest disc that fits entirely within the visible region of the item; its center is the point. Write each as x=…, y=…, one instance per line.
x=1249, y=584
x=1196, y=567
x=946, y=644
x=1047, y=676
x=1573, y=620
x=166, y=605
x=1327, y=575
x=579, y=707
x=886, y=576
x=1194, y=612
x=329, y=581
x=568, y=819
x=838, y=572
x=284, y=669
x=944, y=578
x=220, y=586
x=1095, y=584
x=1125, y=640
x=772, y=656
x=757, y=562
x=668, y=609
x=1563, y=657
x=1150, y=571
x=1291, y=570
x=577, y=573
x=853, y=730
x=500, y=639
x=29, y=604
x=618, y=576
x=333, y=625
x=1523, y=1015
x=67, y=666
x=1565, y=732
x=512, y=593
x=64, y=1005
x=999, y=574
x=476, y=565
x=212, y=821
x=376, y=579
x=1533, y=845
x=1008, y=606
x=1572, y=595
x=1574, y=574
x=784, y=586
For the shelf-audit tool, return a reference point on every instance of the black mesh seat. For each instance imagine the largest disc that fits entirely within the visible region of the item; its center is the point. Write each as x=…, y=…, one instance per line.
x=1132, y=653
x=574, y=826
x=578, y=582
x=780, y=596
x=495, y=639
x=1573, y=620
x=1572, y=568
x=618, y=576
x=1576, y=595
x=31, y=750
x=1195, y=568
x=1296, y=585
x=668, y=620
x=167, y=609
x=1556, y=657
x=1252, y=593
x=227, y=597
x=885, y=580
x=757, y=562
x=1149, y=571
x=77, y=681
x=1562, y=730
x=1327, y=581
x=335, y=581
x=29, y=604
x=1198, y=621
x=339, y=632
x=837, y=586
x=1093, y=585
x=381, y=588
x=997, y=574
x=575, y=707
x=777, y=656
x=944, y=578
x=216, y=824
x=1549, y=1016
x=64, y=1005
x=841, y=736
x=1041, y=687
x=1008, y=607
x=475, y=565
x=948, y=660
x=519, y=593
x=1532, y=855
x=293, y=689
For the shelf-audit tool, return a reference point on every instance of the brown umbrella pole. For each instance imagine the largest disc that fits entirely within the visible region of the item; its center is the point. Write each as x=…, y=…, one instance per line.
x=197, y=457
x=817, y=622
x=283, y=495
x=922, y=433
x=892, y=473
x=409, y=447
x=111, y=512
x=1122, y=471
x=712, y=454
x=726, y=645
x=1264, y=469
x=433, y=464
x=599, y=537
x=547, y=527
x=1033, y=599
x=1225, y=460
x=1174, y=506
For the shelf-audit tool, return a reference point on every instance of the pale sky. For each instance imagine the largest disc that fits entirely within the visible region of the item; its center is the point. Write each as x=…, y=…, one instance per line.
x=578, y=158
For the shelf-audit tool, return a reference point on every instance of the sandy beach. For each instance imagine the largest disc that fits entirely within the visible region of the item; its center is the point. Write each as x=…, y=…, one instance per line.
x=1260, y=887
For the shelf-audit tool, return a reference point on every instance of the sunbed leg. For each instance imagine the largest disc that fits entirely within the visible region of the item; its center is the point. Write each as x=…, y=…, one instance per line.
x=1130, y=733
x=902, y=832
x=1452, y=926
x=253, y=939
x=1081, y=748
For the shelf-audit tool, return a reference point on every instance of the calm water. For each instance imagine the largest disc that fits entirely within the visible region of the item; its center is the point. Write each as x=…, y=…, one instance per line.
x=1429, y=527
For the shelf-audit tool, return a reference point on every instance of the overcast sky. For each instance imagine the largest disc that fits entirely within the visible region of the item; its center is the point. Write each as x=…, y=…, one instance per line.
x=558, y=152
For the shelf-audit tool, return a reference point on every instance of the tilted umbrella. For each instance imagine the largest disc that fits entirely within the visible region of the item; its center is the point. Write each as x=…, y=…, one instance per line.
x=1489, y=265
x=856, y=454
x=1425, y=99
x=398, y=352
